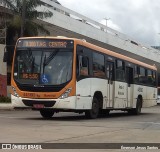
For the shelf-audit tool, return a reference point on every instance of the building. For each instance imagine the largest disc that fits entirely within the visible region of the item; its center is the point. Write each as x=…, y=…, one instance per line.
x=5, y=15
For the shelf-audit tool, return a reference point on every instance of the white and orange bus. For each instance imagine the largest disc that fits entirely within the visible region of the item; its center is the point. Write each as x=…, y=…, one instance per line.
x=53, y=74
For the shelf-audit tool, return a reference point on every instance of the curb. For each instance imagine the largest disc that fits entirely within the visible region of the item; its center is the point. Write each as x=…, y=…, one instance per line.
x=9, y=106
x=6, y=106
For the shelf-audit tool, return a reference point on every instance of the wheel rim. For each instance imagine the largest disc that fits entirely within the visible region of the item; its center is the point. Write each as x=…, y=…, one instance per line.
x=139, y=108
x=95, y=108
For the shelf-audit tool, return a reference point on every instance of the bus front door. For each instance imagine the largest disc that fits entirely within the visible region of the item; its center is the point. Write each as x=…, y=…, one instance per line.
x=129, y=80
x=110, y=88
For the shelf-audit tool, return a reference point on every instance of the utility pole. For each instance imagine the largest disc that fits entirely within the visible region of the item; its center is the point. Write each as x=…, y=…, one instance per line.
x=23, y=16
x=106, y=22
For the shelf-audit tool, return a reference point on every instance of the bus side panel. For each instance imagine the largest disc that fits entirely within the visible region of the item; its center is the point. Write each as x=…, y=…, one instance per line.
x=151, y=97
x=138, y=90
x=100, y=85
x=120, y=97
x=148, y=94
x=83, y=93
x=130, y=96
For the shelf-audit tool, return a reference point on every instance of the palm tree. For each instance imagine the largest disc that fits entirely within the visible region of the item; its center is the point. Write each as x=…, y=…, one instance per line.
x=25, y=14
x=22, y=23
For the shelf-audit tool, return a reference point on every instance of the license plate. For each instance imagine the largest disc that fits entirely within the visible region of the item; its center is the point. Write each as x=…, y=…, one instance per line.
x=38, y=106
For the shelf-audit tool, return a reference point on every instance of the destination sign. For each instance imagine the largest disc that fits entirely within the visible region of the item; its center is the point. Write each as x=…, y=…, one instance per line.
x=31, y=76
x=45, y=43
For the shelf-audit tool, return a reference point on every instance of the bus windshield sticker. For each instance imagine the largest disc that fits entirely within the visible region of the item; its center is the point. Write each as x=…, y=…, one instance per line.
x=44, y=79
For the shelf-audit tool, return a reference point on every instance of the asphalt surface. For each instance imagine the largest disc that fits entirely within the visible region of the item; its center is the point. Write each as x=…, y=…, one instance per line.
x=26, y=126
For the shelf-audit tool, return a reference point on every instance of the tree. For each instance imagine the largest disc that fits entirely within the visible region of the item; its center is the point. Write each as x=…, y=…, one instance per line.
x=22, y=23
x=25, y=14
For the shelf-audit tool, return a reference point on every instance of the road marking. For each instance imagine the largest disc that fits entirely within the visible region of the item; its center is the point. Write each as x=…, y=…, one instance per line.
x=155, y=123
x=11, y=117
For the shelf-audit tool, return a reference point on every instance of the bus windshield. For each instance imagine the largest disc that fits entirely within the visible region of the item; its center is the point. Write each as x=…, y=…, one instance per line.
x=43, y=66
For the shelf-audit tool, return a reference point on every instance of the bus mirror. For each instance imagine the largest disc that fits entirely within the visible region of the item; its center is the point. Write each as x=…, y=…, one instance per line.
x=5, y=56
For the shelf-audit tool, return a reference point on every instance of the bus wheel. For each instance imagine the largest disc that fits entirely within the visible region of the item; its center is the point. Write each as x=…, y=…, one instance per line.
x=93, y=113
x=138, y=108
x=45, y=113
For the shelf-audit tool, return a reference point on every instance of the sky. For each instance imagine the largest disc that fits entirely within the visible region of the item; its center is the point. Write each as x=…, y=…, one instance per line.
x=139, y=19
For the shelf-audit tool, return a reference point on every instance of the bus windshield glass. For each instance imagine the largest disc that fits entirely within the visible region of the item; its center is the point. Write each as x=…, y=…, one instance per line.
x=43, y=66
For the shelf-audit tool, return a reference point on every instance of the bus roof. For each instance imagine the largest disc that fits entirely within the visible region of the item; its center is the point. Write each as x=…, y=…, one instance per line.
x=99, y=49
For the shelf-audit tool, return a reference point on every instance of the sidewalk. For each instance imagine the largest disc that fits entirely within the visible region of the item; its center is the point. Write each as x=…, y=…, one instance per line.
x=6, y=106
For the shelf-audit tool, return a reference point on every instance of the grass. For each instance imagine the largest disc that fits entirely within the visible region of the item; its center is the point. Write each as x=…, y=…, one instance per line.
x=5, y=99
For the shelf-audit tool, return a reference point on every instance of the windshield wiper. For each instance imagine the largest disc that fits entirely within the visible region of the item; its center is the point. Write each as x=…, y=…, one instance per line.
x=49, y=59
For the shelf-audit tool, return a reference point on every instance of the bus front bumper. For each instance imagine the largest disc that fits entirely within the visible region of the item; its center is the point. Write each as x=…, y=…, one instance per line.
x=67, y=103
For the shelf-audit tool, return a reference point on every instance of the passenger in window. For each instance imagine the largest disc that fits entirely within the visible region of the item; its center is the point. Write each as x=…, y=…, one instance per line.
x=84, y=71
x=83, y=65
x=99, y=73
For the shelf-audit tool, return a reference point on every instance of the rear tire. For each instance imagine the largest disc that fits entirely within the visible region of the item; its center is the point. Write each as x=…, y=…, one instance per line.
x=45, y=113
x=137, y=110
x=93, y=113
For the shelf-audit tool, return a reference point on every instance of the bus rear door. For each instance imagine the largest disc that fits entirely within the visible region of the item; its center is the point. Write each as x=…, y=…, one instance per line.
x=110, y=89
x=129, y=80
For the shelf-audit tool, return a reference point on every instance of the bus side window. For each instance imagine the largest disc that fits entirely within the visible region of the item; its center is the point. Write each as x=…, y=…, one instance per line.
x=154, y=78
x=98, y=65
x=151, y=77
x=142, y=75
x=83, y=65
x=120, y=70
x=110, y=71
x=136, y=74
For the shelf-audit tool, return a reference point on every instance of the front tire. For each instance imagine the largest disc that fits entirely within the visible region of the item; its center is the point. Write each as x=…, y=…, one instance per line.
x=45, y=113
x=93, y=113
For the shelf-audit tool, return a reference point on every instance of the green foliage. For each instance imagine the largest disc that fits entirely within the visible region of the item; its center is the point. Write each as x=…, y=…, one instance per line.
x=31, y=26
x=32, y=12
x=5, y=99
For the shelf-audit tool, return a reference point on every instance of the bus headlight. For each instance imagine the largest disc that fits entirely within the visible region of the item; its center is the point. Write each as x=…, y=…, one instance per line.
x=15, y=92
x=66, y=93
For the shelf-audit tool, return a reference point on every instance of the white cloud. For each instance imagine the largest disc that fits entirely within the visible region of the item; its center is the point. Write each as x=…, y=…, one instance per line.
x=136, y=18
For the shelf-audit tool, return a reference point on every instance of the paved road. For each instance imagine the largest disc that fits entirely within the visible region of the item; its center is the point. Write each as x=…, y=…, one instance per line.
x=27, y=126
